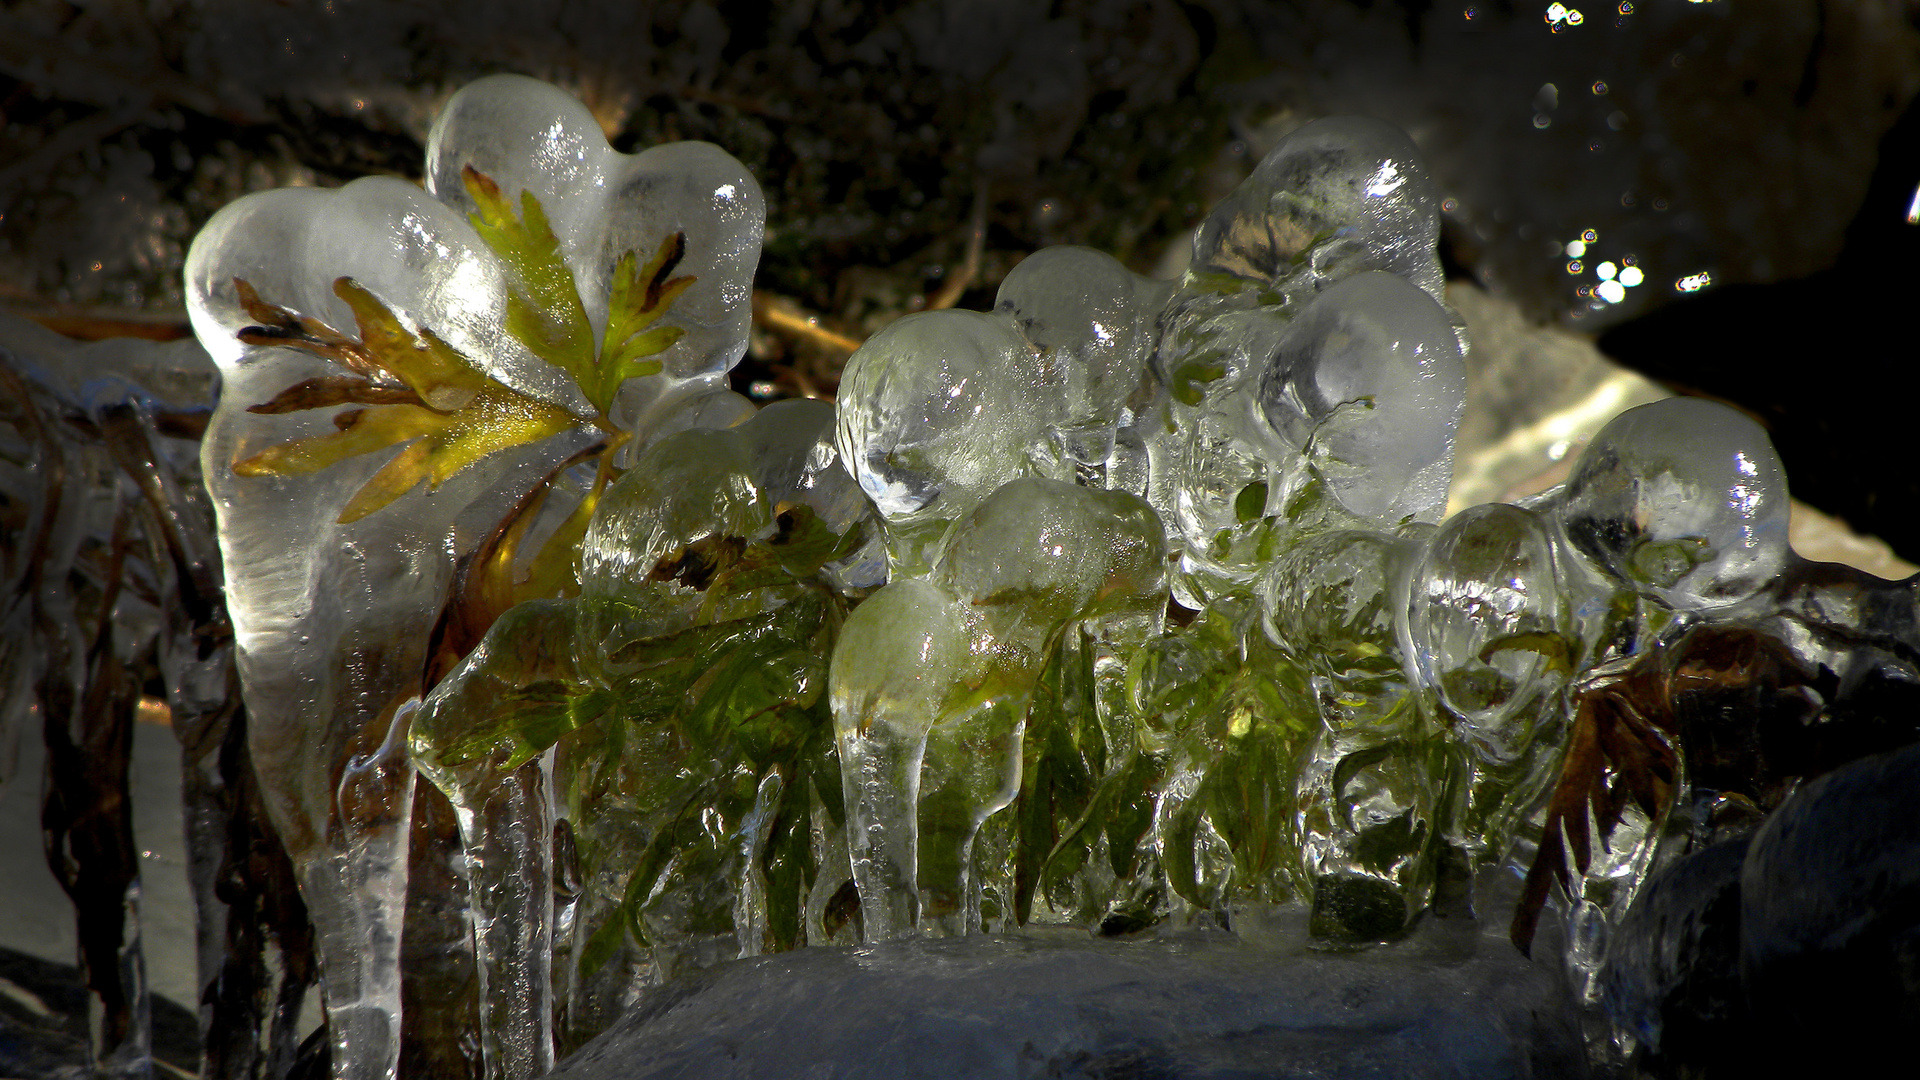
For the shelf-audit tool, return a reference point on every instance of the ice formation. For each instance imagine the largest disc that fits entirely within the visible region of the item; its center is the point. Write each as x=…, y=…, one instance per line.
x=507, y=318
x=1128, y=602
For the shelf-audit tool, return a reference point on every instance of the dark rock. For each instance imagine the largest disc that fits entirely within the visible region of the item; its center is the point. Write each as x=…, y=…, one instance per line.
x=1830, y=916
x=43, y=1022
x=1673, y=966
x=1445, y=1002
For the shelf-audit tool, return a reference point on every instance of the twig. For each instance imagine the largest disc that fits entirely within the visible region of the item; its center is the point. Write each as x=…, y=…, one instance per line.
x=782, y=316
x=95, y=324
x=952, y=289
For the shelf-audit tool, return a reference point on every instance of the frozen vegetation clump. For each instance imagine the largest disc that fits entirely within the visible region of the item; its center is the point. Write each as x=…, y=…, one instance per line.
x=1128, y=603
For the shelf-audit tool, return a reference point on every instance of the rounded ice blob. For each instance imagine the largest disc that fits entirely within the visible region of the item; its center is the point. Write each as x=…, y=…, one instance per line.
x=1369, y=381
x=1092, y=320
x=1344, y=194
x=795, y=459
x=937, y=410
x=1040, y=552
x=1684, y=499
x=1489, y=626
x=688, y=487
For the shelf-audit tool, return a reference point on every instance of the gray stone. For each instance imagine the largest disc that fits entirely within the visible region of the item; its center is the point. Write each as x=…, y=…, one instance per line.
x=1447, y=1002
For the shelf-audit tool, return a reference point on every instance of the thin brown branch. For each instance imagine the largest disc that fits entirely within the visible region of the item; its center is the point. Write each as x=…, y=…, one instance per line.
x=783, y=316
x=957, y=285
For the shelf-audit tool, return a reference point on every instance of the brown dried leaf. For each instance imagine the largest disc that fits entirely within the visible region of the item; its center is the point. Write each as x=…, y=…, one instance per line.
x=1622, y=751
x=326, y=390
x=280, y=326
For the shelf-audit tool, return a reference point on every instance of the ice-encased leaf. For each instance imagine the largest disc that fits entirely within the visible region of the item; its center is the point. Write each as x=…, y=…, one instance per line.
x=332, y=618
x=1370, y=379
x=529, y=136
x=1682, y=498
x=304, y=589
x=1331, y=602
x=1341, y=195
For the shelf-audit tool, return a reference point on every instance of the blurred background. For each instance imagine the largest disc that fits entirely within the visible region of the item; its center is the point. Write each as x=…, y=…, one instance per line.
x=1721, y=190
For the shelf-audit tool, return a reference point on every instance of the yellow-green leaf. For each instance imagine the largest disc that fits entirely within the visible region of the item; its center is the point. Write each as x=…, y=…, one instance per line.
x=497, y=419
x=361, y=431
x=442, y=443
x=639, y=295
x=544, y=310
x=442, y=377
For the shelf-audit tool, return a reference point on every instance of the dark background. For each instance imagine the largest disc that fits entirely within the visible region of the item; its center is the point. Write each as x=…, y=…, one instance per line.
x=1768, y=144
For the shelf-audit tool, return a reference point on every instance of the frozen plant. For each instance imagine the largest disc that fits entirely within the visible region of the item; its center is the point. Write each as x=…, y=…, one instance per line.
x=424, y=381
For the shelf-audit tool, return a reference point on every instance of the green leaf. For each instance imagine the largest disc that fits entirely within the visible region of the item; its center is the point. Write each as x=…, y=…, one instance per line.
x=509, y=700
x=1251, y=503
x=1054, y=781
x=1250, y=800
x=1189, y=381
x=1554, y=648
x=604, y=943
x=638, y=297
x=544, y=310
x=725, y=567
x=790, y=867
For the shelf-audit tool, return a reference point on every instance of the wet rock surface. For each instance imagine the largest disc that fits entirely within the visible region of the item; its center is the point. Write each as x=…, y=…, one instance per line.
x=1673, y=973
x=1780, y=949
x=1447, y=1002
x=1830, y=911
